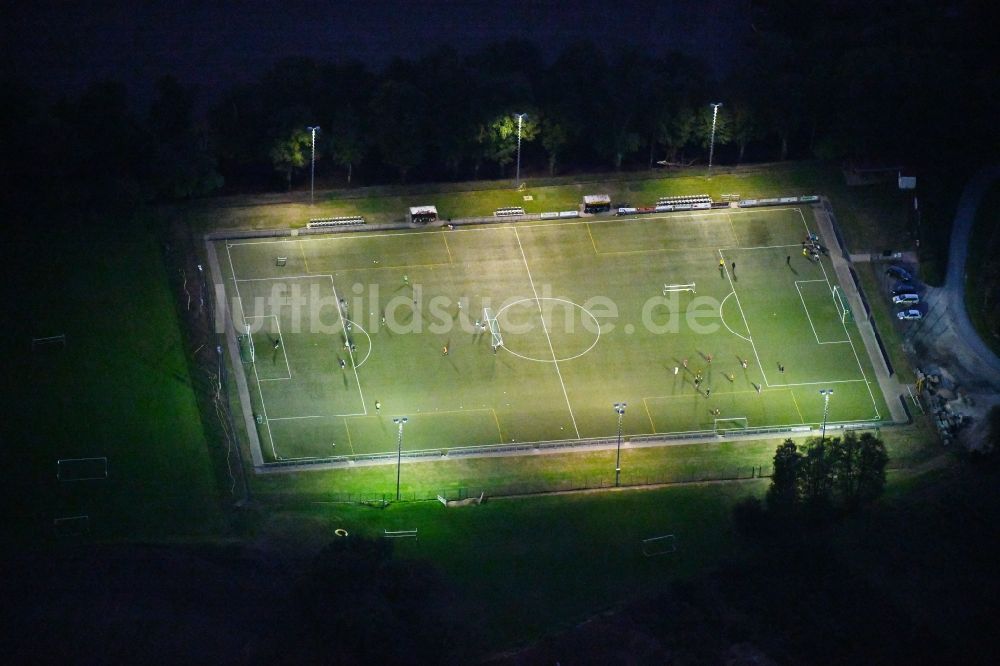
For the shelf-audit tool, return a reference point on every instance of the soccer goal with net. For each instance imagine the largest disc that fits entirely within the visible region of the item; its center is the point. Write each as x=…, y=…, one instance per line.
x=490, y=321
x=248, y=353
x=82, y=469
x=659, y=545
x=721, y=426
x=840, y=301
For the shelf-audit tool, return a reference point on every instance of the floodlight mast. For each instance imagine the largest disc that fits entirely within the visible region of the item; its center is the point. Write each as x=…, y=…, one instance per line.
x=711, y=145
x=620, y=410
x=517, y=173
x=312, y=175
x=826, y=393
x=401, y=421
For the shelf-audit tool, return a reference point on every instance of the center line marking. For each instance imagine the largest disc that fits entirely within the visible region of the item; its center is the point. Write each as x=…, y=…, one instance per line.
x=545, y=329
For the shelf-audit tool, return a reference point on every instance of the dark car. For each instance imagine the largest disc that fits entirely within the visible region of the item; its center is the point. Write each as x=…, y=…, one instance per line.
x=899, y=273
x=903, y=288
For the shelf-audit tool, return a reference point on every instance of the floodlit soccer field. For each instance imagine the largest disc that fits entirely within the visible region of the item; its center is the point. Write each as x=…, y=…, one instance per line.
x=342, y=333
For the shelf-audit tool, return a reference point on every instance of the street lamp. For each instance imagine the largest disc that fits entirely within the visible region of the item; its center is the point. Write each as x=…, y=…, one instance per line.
x=401, y=421
x=711, y=146
x=517, y=174
x=312, y=177
x=620, y=410
x=826, y=393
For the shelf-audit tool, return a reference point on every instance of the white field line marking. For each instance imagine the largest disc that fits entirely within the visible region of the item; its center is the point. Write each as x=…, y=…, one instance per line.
x=510, y=225
x=722, y=305
x=317, y=416
x=743, y=315
x=809, y=317
x=545, y=328
x=287, y=277
x=284, y=353
x=846, y=332
x=735, y=235
x=263, y=405
x=343, y=326
x=835, y=381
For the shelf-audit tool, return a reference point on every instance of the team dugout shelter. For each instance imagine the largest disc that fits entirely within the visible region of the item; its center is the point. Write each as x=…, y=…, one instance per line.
x=596, y=203
x=423, y=214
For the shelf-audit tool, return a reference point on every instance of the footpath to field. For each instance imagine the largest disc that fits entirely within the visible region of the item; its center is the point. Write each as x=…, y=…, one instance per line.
x=891, y=389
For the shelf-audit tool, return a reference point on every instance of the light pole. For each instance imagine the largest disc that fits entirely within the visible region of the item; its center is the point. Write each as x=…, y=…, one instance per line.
x=312, y=176
x=826, y=393
x=711, y=145
x=401, y=421
x=517, y=173
x=620, y=410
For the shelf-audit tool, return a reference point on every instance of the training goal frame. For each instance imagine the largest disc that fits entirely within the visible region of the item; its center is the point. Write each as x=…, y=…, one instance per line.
x=719, y=427
x=659, y=545
x=490, y=321
x=672, y=288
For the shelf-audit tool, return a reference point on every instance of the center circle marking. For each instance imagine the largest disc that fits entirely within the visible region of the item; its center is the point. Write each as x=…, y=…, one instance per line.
x=538, y=300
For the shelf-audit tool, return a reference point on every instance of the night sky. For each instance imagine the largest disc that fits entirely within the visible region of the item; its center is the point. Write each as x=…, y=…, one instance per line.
x=62, y=45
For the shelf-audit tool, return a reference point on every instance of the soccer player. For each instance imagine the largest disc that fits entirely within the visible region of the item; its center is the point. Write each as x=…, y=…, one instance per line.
x=685, y=364
x=708, y=391
x=756, y=386
x=378, y=406
x=406, y=279
x=709, y=359
x=676, y=370
x=744, y=363
x=734, y=268
x=788, y=260
x=444, y=350
x=277, y=342
x=342, y=363
x=781, y=368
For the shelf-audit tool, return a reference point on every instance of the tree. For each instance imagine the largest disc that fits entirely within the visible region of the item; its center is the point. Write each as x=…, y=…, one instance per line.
x=398, y=115
x=857, y=467
x=346, y=139
x=499, y=137
x=676, y=131
x=815, y=477
x=783, y=493
x=873, y=460
x=555, y=137
x=291, y=152
x=746, y=126
x=703, y=126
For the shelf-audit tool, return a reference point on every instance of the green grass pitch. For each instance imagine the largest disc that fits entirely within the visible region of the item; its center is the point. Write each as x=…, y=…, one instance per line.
x=585, y=324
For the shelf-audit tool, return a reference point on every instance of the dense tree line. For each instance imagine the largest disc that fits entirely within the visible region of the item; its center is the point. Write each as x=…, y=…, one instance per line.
x=823, y=477
x=907, y=83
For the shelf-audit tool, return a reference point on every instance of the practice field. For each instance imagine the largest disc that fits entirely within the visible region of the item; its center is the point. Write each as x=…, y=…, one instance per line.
x=342, y=333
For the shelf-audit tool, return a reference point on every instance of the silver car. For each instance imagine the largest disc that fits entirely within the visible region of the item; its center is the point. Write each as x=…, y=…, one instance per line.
x=909, y=314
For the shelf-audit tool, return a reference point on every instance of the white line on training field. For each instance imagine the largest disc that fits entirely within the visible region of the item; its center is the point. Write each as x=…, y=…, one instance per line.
x=263, y=405
x=545, y=328
x=343, y=326
x=318, y=416
x=742, y=314
x=287, y=277
x=806, y=309
x=834, y=381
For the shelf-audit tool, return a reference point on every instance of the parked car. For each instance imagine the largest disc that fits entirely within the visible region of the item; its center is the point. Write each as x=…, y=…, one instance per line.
x=909, y=314
x=899, y=273
x=903, y=288
x=905, y=299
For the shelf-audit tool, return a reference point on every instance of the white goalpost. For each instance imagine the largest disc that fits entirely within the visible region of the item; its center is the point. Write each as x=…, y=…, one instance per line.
x=672, y=288
x=248, y=348
x=659, y=545
x=490, y=321
x=49, y=341
x=840, y=302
